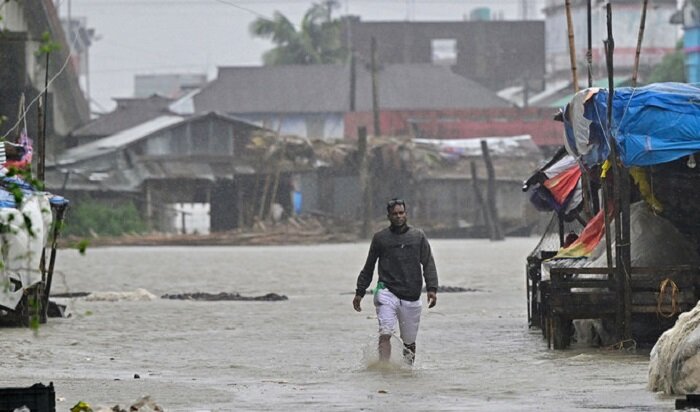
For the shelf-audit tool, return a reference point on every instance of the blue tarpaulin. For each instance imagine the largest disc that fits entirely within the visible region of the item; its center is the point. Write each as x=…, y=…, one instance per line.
x=653, y=124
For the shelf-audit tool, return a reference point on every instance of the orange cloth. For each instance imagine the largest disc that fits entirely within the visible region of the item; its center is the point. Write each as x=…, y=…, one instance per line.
x=561, y=185
x=587, y=240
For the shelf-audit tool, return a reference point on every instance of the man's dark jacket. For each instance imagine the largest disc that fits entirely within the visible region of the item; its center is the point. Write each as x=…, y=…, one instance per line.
x=401, y=253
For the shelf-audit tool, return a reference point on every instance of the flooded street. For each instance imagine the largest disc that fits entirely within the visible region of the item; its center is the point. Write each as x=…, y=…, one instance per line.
x=313, y=351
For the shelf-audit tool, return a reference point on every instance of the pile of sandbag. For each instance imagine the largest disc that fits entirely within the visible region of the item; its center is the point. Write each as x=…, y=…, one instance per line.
x=674, y=366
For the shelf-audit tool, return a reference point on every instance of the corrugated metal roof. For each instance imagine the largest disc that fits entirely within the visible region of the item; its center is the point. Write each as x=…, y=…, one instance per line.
x=116, y=141
x=326, y=88
x=129, y=113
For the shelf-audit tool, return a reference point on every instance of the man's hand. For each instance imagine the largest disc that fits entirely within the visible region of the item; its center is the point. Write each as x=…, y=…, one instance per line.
x=356, y=303
x=432, y=299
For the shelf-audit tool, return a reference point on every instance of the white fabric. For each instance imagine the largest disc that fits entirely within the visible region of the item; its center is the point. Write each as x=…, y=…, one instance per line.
x=20, y=250
x=391, y=309
x=579, y=123
x=674, y=362
x=560, y=166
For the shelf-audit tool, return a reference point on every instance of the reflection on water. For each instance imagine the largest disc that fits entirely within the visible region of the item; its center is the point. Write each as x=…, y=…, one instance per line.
x=313, y=351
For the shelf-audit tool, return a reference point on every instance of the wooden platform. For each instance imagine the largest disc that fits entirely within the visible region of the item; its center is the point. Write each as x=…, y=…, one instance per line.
x=594, y=293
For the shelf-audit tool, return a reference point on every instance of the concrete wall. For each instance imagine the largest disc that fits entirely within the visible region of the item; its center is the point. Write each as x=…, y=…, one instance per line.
x=458, y=124
x=496, y=54
x=452, y=203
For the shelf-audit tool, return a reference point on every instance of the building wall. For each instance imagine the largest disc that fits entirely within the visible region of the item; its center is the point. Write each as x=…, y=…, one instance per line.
x=496, y=54
x=660, y=36
x=452, y=203
x=457, y=124
x=324, y=126
x=35, y=18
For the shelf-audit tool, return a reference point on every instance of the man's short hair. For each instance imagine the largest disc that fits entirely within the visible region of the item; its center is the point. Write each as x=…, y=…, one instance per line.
x=393, y=202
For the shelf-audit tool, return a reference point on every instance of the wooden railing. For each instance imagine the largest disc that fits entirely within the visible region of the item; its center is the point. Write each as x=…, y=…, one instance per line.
x=571, y=294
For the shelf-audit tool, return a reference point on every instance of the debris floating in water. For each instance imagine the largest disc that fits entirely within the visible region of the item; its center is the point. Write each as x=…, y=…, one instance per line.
x=270, y=297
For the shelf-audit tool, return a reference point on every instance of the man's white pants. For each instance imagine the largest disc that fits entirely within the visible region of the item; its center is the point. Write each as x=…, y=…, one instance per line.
x=391, y=309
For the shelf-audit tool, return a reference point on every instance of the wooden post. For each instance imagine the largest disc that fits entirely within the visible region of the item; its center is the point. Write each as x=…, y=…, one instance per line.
x=353, y=80
x=278, y=171
x=60, y=212
x=263, y=198
x=485, y=211
x=572, y=47
x=640, y=37
x=375, y=90
x=40, y=121
x=589, y=54
x=496, y=232
x=365, y=183
x=42, y=134
x=621, y=240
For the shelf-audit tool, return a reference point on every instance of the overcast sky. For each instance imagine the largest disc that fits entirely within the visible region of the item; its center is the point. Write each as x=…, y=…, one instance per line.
x=197, y=36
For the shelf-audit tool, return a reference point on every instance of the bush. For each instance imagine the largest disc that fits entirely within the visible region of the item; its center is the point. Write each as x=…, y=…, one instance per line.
x=87, y=217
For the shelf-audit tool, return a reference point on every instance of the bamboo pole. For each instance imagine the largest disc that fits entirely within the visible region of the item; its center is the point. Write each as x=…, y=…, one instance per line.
x=585, y=179
x=572, y=47
x=589, y=54
x=640, y=37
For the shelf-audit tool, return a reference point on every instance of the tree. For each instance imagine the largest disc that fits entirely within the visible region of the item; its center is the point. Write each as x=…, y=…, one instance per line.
x=317, y=41
x=671, y=68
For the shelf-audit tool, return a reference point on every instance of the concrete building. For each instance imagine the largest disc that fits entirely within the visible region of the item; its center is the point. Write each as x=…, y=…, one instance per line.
x=496, y=54
x=659, y=35
x=311, y=101
x=23, y=71
x=173, y=85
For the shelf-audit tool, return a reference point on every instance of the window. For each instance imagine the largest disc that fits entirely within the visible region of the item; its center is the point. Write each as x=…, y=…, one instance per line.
x=444, y=51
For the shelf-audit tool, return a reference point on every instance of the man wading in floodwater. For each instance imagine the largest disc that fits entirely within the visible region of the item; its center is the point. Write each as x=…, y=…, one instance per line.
x=404, y=260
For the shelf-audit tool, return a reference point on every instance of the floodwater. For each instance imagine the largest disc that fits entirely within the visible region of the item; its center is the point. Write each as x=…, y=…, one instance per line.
x=313, y=351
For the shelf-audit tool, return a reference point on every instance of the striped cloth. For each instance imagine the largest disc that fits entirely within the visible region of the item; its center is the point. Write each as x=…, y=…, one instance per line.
x=3, y=157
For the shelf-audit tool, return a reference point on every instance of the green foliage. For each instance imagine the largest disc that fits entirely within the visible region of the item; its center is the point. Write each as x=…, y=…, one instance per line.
x=671, y=68
x=47, y=45
x=35, y=313
x=317, y=41
x=82, y=246
x=89, y=217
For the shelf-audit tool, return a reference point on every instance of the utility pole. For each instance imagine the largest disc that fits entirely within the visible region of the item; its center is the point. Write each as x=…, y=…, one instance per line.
x=375, y=91
x=353, y=79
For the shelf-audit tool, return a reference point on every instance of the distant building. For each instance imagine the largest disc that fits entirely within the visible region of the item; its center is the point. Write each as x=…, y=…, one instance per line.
x=659, y=35
x=22, y=72
x=496, y=54
x=168, y=85
x=311, y=101
x=80, y=38
x=168, y=161
x=689, y=18
x=129, y=112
